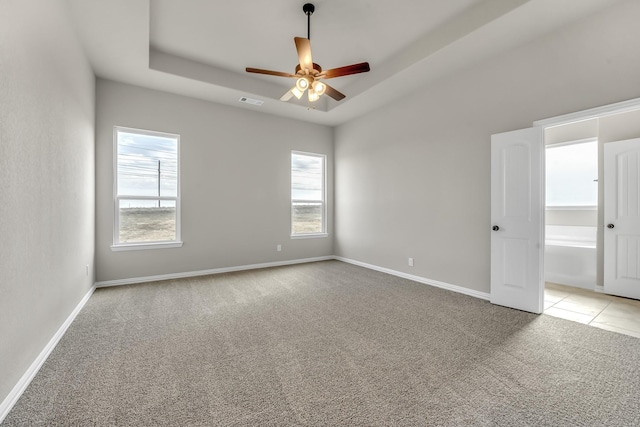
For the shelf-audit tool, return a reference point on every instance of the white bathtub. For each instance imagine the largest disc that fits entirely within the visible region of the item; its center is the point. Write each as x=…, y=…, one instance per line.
x=570, y=255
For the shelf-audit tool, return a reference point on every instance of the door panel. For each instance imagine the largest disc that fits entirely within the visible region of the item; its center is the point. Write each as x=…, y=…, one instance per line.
x=622, y=218
x=515, y=253
x=515, y=181
x=627, y=250
x=517, y=196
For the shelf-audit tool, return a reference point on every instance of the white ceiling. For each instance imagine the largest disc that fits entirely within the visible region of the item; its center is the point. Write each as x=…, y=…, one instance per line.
x=200, y=48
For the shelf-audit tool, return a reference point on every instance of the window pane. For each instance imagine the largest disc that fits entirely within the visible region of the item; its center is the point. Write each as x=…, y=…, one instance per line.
x=147, y=220
x=307, y=177
x=147, y=165
x=307, y=193
x=307, y=218
x=571, y=171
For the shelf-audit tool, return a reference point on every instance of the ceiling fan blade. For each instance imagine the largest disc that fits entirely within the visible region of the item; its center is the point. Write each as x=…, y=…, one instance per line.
x=362, y=67
x=294, y=91
x=269, y=72
x=333, y=93
x=287, y=96
x=303, y=46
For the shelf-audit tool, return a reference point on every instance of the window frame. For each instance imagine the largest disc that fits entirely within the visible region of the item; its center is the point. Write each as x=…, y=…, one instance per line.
x=324, y=232
x=160, y=244
x=565, y=144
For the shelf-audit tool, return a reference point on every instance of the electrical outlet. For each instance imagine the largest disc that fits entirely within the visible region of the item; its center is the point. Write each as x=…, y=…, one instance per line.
x=410, y=262
x=279, y=248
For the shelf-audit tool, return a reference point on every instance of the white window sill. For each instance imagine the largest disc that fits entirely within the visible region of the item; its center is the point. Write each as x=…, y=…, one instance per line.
x=145, y=246
x=572, y=208
x=309, y=236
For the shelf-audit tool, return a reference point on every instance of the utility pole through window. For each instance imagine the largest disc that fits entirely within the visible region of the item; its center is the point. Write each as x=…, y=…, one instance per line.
x=158, y=183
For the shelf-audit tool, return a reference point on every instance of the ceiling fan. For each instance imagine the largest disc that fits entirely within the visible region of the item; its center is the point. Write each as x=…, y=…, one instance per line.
x=308, y=73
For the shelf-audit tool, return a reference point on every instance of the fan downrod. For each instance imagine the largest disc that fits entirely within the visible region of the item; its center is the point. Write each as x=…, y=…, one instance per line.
x=308, y=10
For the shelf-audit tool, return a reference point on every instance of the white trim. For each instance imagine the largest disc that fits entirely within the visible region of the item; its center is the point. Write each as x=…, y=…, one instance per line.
x=419, y=279
x=309, y=236
x=322, y=233
x=117, y=198
x=170, y=198
x=573, y=142
x=144, y=246
x=571, y=208
x=592, y=113
x=31, y=372
x=169, y=276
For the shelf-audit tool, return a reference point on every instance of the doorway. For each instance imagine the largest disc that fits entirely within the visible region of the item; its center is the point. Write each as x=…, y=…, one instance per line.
x=579, y=294
x=518, y=202
x=571, y=204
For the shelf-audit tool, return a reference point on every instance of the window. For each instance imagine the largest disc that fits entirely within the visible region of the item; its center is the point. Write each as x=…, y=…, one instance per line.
x=147, y=189
x=308, y=209
x=572, y=175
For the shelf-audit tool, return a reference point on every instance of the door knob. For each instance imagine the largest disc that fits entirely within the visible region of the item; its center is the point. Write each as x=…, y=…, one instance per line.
x=495, y=228
x=610, y=226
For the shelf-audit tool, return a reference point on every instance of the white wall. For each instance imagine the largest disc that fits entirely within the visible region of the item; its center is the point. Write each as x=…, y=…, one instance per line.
x=571, y=132
x=235, y=182
x=46, y=179
x=584, y=218
x=413, y=178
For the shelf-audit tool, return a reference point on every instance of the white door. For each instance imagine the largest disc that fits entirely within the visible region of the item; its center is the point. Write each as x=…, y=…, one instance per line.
x=517, y=222
x=622, y=218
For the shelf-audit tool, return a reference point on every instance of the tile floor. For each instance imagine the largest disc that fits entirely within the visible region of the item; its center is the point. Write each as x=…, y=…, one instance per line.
x=593, y=308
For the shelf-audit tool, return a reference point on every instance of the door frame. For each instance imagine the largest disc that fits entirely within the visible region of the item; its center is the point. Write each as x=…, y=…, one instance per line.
x=579, y=116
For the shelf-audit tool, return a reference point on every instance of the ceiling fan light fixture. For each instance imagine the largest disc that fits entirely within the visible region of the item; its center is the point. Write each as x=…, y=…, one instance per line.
x=302, y=84
x=307, y=73
x=319, y=87
x=313, y=95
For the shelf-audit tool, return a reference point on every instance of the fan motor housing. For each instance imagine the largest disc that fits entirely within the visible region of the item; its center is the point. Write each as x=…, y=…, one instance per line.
x=316, y=70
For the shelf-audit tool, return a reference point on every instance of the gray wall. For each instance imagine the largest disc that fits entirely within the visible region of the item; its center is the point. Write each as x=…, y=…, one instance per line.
x=235, y=172
x=413, y=178
x=46, y=179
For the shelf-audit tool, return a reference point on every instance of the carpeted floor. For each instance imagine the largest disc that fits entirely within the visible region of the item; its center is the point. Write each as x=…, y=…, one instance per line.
x=330, y=344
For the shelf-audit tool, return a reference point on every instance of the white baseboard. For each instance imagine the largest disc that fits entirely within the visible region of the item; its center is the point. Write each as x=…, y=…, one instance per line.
x=31, y=372
x=133, y=280
x=419, y=279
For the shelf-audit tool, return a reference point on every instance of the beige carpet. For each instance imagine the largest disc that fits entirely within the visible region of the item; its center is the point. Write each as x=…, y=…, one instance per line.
x=329, y=344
